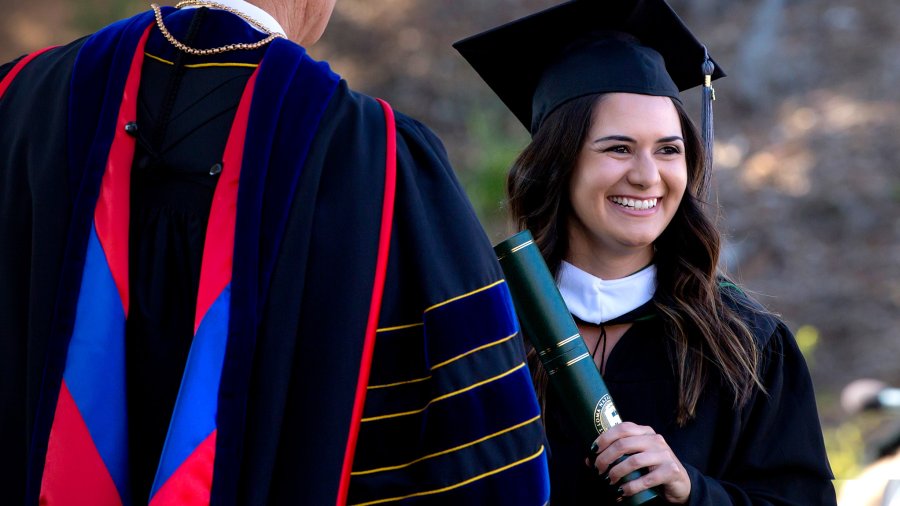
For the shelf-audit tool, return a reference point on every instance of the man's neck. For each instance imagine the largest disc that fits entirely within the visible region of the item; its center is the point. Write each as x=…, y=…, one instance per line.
x=303, y=20
x=257, y=14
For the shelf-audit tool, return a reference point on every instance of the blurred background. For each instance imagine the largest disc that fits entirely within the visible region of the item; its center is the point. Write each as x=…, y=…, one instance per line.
x=807, y=153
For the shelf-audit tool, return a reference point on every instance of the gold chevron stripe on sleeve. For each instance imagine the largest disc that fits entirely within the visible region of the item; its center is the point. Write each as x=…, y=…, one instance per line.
x=457, y=485
x=463, y=296
x=449, y=450
x=445, y=396
x=446, y=362
x=400, y=327
x=407, y=382
x=482, y=347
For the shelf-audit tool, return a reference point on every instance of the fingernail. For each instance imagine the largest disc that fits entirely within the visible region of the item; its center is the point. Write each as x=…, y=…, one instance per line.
x=594, y=447
x=620, y=492
x=606, y=479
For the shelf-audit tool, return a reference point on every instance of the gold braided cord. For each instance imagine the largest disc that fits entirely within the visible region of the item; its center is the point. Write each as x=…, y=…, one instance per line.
x=215, y=5
x=242, y=46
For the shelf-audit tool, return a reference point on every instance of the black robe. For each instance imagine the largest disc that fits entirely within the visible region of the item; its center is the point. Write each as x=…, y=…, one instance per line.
x=287, y=394
x=769, y=452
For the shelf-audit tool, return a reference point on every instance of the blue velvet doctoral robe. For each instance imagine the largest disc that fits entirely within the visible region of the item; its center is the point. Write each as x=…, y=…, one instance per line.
x=449, y=416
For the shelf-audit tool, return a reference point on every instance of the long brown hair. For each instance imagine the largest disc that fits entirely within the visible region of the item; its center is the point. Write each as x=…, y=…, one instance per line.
x=706, y=333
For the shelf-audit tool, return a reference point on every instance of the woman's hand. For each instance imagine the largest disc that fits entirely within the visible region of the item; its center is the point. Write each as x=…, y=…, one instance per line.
x=646, y=449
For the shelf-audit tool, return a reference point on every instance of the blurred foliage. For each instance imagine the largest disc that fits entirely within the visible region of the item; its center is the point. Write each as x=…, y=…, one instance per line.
x=862, y=452
x=93, y=13
x=494, y=151
x=853, y=443
x=845, y=444
x=807, y=339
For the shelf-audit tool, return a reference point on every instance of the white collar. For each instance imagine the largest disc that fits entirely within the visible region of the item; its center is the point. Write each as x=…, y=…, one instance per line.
x=596, y=300
x=253, y=12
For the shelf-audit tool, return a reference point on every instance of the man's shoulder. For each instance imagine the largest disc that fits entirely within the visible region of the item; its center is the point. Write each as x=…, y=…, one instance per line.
x=367, y=104
x=49, y=66
x=355, y=108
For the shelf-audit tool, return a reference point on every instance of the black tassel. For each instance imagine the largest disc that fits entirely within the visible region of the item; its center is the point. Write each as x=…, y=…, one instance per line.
x=709, y=94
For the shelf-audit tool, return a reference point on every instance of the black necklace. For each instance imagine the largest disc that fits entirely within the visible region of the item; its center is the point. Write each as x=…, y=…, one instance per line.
x=643, y=312
x=600, y=340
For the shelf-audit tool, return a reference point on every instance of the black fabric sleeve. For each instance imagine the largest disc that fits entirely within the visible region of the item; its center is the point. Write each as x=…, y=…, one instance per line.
x=450, y=414
x=6, y=67
x=34, y=214
x=434, y=215
x=440, y=265
x=780, y=459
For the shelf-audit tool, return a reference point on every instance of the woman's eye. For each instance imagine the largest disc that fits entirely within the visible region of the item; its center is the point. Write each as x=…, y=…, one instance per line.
x=622, y=149
x=670, y=150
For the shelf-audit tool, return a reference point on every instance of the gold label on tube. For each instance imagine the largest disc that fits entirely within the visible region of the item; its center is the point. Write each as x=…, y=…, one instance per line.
x=605, y=415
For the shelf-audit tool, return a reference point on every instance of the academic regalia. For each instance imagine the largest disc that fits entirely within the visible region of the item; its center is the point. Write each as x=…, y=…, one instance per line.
x=768, y=451
x=448, y=413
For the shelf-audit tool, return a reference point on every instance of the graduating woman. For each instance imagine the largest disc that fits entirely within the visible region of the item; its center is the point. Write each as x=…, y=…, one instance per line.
x=716, y=397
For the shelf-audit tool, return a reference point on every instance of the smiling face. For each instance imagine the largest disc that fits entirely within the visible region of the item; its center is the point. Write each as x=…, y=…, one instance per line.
x=627, y=183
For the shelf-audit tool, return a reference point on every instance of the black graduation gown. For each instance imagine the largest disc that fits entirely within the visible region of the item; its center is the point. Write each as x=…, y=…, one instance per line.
x=283, y=427
x=769, y=452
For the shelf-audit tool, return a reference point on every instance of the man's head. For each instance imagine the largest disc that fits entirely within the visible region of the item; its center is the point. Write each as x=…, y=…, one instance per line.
x=303, y=20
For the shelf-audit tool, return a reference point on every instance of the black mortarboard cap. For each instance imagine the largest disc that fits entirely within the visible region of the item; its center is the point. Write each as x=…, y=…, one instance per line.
x=583, y=47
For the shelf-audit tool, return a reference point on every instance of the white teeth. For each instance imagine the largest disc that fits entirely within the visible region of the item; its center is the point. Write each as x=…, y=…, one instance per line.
x=635, y=204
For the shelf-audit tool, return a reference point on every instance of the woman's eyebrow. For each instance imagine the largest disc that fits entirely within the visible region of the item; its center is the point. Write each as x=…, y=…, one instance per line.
x=619, y=138
x=625, y=138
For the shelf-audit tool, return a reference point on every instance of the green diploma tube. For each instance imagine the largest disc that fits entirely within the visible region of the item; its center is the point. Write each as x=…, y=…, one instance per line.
x=549, y=326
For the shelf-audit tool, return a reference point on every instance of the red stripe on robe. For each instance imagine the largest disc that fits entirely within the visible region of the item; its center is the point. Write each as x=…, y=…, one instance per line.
x=75, y=469
x=191, y=483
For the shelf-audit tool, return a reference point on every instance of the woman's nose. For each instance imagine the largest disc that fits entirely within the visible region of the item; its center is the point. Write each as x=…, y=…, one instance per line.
x=645, y=172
